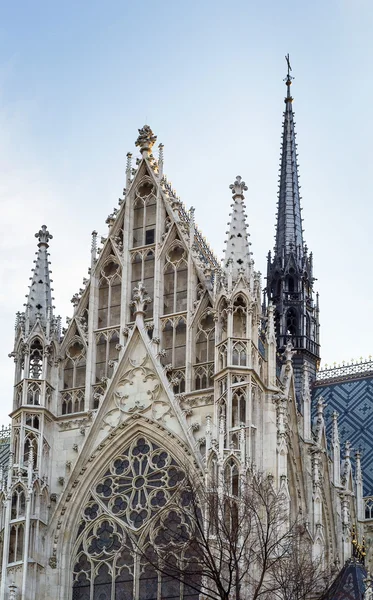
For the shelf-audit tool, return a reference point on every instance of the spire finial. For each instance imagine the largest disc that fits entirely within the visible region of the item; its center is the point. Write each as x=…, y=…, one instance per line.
x=146, y=140
x=238, y=188
x=288, y=79
x=44, y=236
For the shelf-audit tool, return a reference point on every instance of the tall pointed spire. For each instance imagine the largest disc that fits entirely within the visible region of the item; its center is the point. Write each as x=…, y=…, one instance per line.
x=237, y=253
x=39, y=302
x=289, y=235
x=290, y=271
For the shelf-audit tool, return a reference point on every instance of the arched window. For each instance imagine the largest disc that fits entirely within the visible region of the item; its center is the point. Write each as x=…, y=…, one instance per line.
x=143, y=270
x=239, y=317
x=31, y=440
x=109, y=294
x=174, y=340
x=36, y=359
x=175, y=280
x=291, y=322
x=144, y=214
x=239, y=354
x=75, y=365
x=129, y=502
x=238, y=407
x=222, y=319
x=205, y=350
x=18, y=503
x=107, y=350
x=16, y=542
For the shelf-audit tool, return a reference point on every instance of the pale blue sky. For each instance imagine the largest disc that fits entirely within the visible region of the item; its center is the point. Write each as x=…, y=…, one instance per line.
x=78, y=79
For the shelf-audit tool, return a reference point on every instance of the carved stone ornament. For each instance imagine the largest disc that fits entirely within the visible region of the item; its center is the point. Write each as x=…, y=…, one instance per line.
x=138, y=390
x=146, y=140
x=140, y=299
x=53, y=562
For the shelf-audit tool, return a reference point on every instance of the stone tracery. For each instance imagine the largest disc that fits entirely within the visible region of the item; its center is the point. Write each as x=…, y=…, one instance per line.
x=123, y=519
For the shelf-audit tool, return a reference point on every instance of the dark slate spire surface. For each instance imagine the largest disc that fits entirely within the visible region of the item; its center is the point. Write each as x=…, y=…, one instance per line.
x=289, y=235
x=39, y=301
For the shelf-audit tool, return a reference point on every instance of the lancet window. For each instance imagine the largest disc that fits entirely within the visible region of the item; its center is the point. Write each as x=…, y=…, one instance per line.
x=36, y=359
x=75, y=365
x=240, y=317
x=143, y=270
x=174, y=340
x=109, y=294
x=291, y=322
x=17, y=531
x=144, y=214
x=30, y=441
x=18, y=503
x=222, y=320
x=107, y=350
x=205, y=351
x=239, y=354
x=175, y=281
x=122, y=524
x=238, y=407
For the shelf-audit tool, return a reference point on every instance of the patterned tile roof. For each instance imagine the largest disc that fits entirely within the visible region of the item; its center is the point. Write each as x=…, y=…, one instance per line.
x=352, y=398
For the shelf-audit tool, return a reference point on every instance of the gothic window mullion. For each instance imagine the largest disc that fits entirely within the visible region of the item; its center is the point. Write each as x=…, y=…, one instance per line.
x=107, y=354
x=173, y=341
x=143, y=267
x=144, y=224
x=175, y=289
x=109, y=304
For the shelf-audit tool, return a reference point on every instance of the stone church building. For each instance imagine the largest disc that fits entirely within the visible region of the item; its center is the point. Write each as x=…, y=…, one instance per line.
x=171, y=357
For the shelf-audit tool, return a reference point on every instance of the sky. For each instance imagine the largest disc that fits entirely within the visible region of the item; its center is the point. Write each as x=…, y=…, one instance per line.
x=77, y=79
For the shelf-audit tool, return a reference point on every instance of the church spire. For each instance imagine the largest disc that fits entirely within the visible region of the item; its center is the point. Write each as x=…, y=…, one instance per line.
x=237, y=253
x=39, y=301
x=289, y=237
x=290, y=271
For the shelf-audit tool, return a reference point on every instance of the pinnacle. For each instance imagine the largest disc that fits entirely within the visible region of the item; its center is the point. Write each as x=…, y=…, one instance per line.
x=237, y=254
x=39, y=305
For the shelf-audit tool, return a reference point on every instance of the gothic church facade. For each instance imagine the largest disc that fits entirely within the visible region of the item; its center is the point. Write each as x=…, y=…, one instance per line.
x=168, y=359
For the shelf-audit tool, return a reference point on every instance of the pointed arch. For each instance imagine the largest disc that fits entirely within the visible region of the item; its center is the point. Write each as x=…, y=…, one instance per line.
x=175, y=278
x=36, y=357
x=203, y=369
x=144, y=213
x=123, y=502
x=240, y=307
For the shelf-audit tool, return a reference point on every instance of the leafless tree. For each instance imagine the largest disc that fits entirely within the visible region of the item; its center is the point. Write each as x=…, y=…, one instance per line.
x=233, y=541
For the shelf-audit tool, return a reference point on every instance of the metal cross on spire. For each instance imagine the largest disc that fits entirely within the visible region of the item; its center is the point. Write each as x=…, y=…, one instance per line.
x=289, y=77
x=287, y=58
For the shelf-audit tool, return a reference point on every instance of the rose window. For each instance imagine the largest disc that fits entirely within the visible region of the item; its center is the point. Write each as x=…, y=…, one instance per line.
x=128, y=498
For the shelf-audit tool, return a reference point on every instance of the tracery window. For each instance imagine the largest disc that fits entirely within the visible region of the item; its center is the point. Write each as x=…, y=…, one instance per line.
x=239, y=317
x=143, y=270
x=17, y=531
x=174, y=341
x=291, y=322
x=222, y=320
x=107, y=349
x=144, y=215
x=36, y=359
x=239, y=407
x=175, y=279
x=18, y=503
x=123, y=521
x=205, y=350
x=239, y=354
x=75, y=365
x=109, y=295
